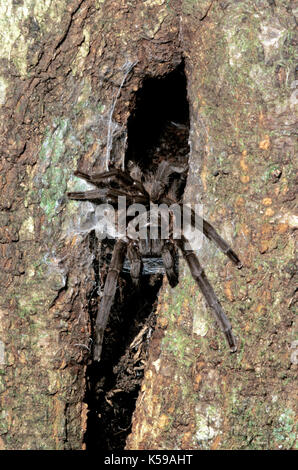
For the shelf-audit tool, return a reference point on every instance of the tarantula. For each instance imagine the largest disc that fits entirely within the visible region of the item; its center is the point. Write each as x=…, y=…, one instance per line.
x=163, y=187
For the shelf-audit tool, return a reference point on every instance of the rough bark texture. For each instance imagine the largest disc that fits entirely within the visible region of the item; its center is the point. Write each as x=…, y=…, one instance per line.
x=61, y=67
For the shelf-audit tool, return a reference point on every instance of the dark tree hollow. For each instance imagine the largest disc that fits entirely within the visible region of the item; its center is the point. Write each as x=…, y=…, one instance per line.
x=158, y=129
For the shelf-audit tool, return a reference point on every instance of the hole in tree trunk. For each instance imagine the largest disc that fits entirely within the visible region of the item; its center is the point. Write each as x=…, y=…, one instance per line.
x=158, y=129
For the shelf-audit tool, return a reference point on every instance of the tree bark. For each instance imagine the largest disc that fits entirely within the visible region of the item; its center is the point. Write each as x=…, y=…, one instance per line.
x=62, y=66
x=242, y=93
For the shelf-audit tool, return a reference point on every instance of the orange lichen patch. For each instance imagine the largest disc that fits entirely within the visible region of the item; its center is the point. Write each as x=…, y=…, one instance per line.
x=171, y=409
x=92, y=150
x=264, y=246
x=180, y=319
x=197, y=382
x=200, y=365
x=215, y=443
x=154, y=402
x=186, y=440
x=265, y=143
x=281, y=228
x=260, y=309
x=266, y=240
x=228, y=291
x=261, y=117
x=198, y=378
x=243, y=163
x=244, y=179
x=245, y=229
x=162, y=322
x=73, y=241
x=267, y=201
x=269, y=212
x=266, y=231
x=268, y=246
x=158, y=310
x=148, y=374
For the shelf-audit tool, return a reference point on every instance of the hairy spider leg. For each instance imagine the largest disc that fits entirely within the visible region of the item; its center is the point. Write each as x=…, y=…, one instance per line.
x=107, y=196
x=97, y=196
x=100, y=178
x=135, y=259
x=110, y=286
x=209, y=231
x=135, y=192
x=212, y=234
x=200, y=277
x=119, y=176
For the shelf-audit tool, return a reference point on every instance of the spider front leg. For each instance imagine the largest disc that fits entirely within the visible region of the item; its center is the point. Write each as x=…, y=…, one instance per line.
x=209, y=231
x=135, y=260
x=199, y=276
x=110, y=286
x=121, y=178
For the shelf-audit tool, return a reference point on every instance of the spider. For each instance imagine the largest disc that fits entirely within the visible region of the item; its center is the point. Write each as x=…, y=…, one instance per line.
x=164, y=186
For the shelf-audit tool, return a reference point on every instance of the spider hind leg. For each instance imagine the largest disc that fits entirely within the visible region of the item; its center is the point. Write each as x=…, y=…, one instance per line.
x=200, y=277
x=110, y=286
x=210, y=232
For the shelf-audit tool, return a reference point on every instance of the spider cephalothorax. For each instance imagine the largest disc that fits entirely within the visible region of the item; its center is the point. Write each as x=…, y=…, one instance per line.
x=162, y=187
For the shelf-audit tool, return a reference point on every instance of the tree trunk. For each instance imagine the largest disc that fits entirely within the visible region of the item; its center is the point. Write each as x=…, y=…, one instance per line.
x=70, y=71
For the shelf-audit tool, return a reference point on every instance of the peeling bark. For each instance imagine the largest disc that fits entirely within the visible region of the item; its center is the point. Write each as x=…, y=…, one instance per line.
x=61, y=69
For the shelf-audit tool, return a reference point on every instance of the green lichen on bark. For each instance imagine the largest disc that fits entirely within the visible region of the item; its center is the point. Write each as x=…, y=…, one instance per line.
x=23, y=25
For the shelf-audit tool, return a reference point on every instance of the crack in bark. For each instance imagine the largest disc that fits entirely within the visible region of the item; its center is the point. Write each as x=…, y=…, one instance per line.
x=65, y=34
